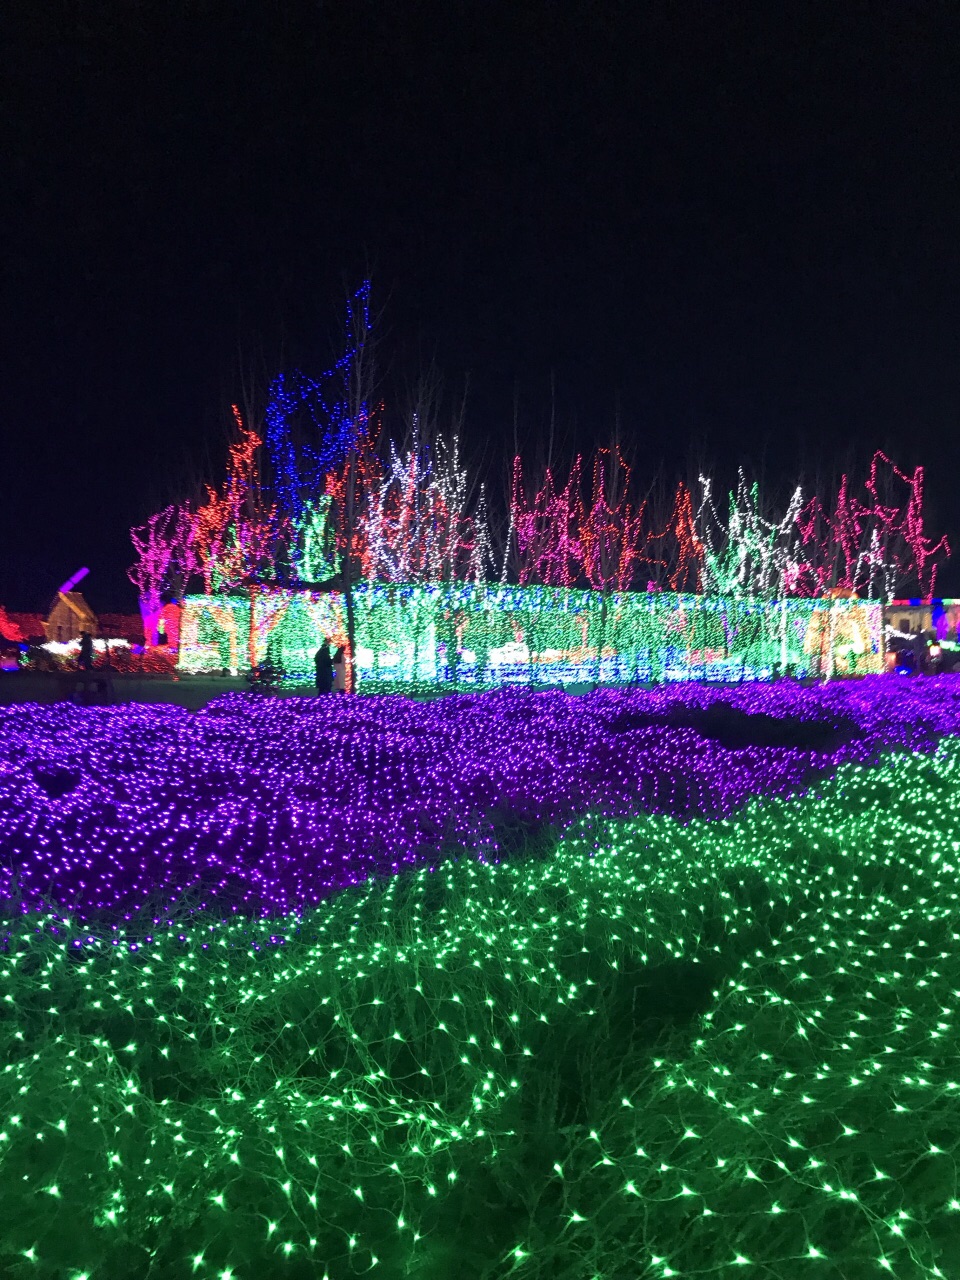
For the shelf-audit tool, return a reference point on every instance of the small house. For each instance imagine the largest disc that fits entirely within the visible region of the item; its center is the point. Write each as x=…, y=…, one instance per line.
x=69, y=615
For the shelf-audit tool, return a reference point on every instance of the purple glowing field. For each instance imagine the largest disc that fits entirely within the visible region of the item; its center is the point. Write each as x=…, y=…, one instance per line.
x=268, y=805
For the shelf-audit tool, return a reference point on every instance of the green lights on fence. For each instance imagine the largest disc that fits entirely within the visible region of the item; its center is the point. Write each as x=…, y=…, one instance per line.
x=461, y=636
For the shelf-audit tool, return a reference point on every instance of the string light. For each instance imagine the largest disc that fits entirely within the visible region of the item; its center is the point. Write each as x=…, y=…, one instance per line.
x=338, y=510
x=319, y=555
x=545, y=528
x=666, y=1044
x=417, y=520
x=750, y=555
x=610, y=528
x=416, y=637
x=273, y=803
x=166, y=557
x=312, y=424
x=869, y=545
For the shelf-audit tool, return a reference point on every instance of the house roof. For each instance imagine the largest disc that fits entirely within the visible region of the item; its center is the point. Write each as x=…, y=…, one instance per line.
x=76, y=603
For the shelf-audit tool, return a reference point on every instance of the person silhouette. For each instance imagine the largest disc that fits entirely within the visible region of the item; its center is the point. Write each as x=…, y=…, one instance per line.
x=324, y=665
x=85, y=657
x=340, y=670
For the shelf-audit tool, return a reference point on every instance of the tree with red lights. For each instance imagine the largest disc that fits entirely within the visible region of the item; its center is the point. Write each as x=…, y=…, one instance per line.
x=237, y=534
x=669, y=553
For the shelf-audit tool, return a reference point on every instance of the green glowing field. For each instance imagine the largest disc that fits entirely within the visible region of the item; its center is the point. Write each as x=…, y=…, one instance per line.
x=719, y=1048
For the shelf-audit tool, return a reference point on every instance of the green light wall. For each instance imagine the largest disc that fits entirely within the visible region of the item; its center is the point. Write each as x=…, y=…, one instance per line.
x=455, y=635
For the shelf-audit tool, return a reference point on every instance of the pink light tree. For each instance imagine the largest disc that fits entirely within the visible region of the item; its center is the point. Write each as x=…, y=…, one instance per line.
x=165, y=559
x=870, y=545
x=546, y=527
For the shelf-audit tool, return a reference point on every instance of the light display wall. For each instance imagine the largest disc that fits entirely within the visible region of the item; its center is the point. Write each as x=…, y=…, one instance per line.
x=474, y=636
x=215, y=634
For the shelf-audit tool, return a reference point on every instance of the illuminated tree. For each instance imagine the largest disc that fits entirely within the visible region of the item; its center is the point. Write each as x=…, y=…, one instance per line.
x=9, y=629
x=546, y=526
x=165, y=560
x=683, y=548
x=363, y=470
x=901, y=553
x=610, y=532
x=421, y=520
x=753, y=553
x=610, y=526
x=209, y=526
x=237, y=535
x=871, y=544
x=350, y=420
x=315, y=427
x=464, y=550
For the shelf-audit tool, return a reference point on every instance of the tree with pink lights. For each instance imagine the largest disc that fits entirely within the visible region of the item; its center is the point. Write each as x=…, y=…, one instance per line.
x=546, y=525
x=873, y=544
x=901, y=551
x=165, y=560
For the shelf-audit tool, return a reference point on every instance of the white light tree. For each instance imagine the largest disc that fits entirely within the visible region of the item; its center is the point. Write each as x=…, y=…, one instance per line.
x=753, y=553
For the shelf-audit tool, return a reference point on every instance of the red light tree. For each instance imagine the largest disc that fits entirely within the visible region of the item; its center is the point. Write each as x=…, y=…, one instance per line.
x=610, y=527
x=237, y=535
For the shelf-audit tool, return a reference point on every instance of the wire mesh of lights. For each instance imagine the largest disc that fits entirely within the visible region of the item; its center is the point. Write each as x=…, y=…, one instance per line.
x=660, y=1047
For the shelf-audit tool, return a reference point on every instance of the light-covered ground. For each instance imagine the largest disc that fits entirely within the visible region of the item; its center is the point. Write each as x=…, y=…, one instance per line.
x=663, y=1048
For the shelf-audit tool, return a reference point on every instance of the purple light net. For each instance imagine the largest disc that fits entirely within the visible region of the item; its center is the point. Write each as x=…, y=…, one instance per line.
x=268, y=805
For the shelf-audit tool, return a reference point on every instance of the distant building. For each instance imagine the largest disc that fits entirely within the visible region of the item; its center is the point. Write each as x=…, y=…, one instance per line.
x=69, y=615
x=941, y=616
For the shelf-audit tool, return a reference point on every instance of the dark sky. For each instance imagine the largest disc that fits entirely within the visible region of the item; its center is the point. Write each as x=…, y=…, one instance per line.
x=738, y=223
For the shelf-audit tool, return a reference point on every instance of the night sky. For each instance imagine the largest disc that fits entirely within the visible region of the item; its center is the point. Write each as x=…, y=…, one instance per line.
x=733, y=228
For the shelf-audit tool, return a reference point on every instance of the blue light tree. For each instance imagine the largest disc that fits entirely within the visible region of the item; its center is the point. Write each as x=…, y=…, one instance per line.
x=313, y=425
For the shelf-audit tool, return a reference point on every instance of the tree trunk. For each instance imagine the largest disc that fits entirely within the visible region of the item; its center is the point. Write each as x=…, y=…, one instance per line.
x=601, y=639
x=252, y=630
x=349, y=505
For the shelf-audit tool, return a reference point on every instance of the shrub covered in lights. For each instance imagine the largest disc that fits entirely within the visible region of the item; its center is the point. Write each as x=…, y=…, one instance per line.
x=662, y=1048
x=460, y=635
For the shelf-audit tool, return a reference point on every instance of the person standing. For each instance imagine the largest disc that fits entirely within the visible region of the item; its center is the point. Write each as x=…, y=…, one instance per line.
x=85, y=657
x=324, y=666
x=340, y=670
